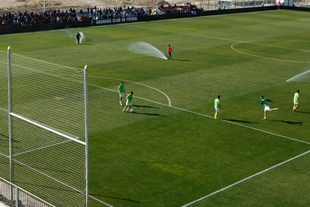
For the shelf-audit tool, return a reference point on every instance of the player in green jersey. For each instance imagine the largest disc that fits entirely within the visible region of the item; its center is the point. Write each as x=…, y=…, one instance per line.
x=217, y=106
x=296, y=101
x=121, y=92
x=128, y=106
x=264, y=102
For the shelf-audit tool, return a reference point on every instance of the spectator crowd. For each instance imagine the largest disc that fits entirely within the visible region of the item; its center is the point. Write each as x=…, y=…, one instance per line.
x=26, y=18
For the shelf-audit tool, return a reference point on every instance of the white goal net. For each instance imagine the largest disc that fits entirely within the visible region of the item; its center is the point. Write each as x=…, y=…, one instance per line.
x=46, y=139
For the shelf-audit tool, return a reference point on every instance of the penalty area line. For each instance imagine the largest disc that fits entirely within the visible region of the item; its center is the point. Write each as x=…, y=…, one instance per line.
x=245, y=179
x=208, y=116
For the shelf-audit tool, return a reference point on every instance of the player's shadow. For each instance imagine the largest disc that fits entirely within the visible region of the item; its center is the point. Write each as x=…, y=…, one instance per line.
x=148, y=114
x=240, y=121
x=303, y=112
x=86, y=43
x=144, y=106
x=181, y=60
x=290, y=122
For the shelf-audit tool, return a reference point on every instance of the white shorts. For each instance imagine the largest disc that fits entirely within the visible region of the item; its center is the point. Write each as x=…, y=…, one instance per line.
x=267, y=108
x=296, y=103
x=217, y=110
x=122, y=95
x=128, y=103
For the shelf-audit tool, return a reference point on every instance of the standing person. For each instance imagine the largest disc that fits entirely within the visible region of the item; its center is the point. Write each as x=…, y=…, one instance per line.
x=128, y=106
x=78, y=37
x=296, y=101
x=169, y=50
x=264, y=102
x=121, y=92
x=217, y=106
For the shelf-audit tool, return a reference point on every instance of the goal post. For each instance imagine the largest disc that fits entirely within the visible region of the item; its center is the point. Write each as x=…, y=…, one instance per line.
x=47, y=118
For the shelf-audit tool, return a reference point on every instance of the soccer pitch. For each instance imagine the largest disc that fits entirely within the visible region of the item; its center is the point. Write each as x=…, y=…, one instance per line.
x=171, y=151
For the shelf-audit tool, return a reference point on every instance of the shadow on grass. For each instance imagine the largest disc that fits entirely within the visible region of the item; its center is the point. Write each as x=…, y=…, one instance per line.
x=289, y=122
x=117, y=198
x=143, y=106
x=5, y=138
x=181, y=60
x=147, y=114
x=59, y=189
x=303, y=112
x=240, y=121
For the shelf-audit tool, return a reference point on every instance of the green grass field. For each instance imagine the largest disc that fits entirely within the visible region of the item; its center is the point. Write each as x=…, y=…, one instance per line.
x=172, y=152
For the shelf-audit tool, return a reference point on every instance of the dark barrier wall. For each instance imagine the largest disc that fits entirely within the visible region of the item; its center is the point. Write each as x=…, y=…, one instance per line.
x=11, y=30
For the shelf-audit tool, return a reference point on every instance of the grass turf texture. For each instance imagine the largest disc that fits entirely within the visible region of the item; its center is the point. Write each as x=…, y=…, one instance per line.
x=172, y=155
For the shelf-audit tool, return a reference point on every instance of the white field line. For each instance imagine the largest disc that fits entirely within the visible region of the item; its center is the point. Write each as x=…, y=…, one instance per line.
x=50, y=177
x=208, y=116
x=229, y=122
x=100, y=201
x=245, y=179
x=245, y=126
x=40, y=148
x=268, y=58
x=155, y=89
x=305, y=19
x=239, y=42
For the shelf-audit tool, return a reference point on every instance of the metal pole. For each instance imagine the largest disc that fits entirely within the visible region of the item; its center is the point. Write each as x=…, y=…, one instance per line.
x=86, y=135
x=10, y=119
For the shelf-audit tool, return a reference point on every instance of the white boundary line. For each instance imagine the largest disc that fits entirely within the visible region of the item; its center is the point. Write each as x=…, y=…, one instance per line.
x=167, y=97
x=208, y=116
x=100, y=201
x=245, y=179
x=41, y=148
x=229, y=122
x=268, y=58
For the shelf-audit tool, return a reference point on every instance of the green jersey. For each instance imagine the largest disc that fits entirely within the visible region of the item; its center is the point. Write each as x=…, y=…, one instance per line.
x=217, y=103
x=129, y=97
x=264, y=102
x=121, y=88
x=296, y=97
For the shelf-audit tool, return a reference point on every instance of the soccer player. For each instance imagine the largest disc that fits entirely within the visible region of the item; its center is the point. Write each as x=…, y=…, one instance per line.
x=296, y=101
x=264, y=102
x=217, y=106
x=121, y=92
x=128, y=106
x=169, y=50
x=78, y=37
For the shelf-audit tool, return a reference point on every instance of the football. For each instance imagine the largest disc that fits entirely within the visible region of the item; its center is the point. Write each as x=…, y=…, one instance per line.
x=131, y=110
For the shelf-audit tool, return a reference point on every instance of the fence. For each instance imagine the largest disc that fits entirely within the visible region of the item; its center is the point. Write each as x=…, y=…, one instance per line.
x=21, y=197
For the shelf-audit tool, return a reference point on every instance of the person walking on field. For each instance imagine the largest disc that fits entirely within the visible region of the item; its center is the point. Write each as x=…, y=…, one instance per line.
x=121, y=92
x=264, y=102
x=78, y=37
x=217, y=106
x=296, y=101
x=169, y=50
x=128, y=106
